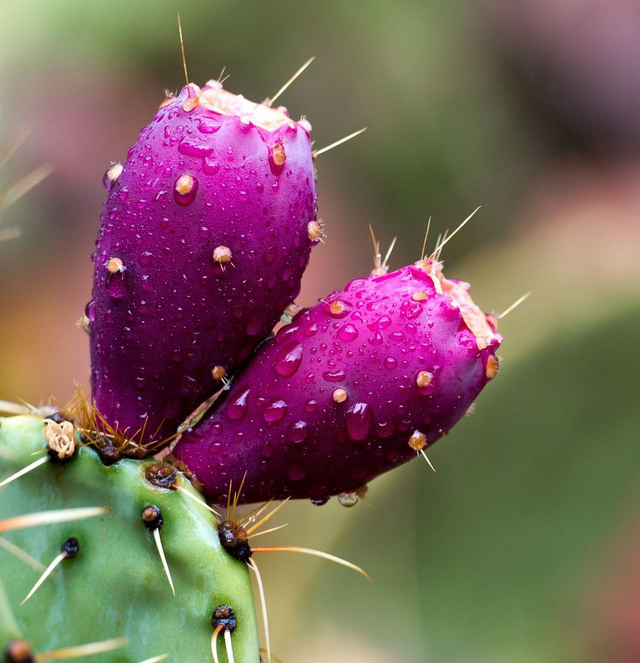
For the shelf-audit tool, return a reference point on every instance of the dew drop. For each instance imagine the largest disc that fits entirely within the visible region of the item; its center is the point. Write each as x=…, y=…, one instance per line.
x=90, y=311
x=381, y=323
x=334, y=376
x=210, y=166
x=348, y=499
x=359, y=419
x=116, y=285
x=298, y=432
x=289, y=359
x=208, y=127
x=347, y=333
x=145, y=258
x=275, y=411
x=194, y=149
x=311, y=405
x=390, y=362
x=237, y=408
x=311, y=330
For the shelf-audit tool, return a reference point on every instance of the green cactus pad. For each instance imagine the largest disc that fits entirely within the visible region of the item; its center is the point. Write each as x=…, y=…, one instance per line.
x=116, y=586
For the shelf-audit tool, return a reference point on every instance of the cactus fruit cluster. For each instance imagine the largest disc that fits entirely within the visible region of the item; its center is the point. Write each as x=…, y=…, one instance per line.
x=205, y=234
x=108, y=521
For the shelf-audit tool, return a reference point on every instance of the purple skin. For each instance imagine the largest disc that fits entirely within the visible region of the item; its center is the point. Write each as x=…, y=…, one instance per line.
x=350, y=389
x=205, y=234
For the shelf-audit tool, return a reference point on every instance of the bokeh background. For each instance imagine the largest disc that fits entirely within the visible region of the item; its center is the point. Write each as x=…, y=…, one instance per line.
x=523, y=546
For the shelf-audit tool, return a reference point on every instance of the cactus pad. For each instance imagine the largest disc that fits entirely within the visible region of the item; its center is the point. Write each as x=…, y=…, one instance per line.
x=115, y=586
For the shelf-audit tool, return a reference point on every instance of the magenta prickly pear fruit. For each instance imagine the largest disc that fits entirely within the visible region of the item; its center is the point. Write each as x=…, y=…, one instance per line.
x=205, y=234
x=355, y=386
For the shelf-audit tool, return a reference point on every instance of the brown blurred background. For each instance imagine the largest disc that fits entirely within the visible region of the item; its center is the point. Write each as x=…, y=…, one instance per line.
x=522, y=547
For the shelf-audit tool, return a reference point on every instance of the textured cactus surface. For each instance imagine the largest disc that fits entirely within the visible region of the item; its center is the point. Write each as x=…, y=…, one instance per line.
x=353, y=387
x=116, y=586
x=205, y=234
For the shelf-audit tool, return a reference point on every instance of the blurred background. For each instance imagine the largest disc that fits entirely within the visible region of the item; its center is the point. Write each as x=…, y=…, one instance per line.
x=523, y=546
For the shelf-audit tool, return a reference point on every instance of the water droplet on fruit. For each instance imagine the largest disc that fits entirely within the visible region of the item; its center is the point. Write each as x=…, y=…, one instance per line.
x=116, y=285
x=208, y=127
x=210, y=166
x=334, y=376
x=348, y=499
x=381, y=323
x=289, y=359
x=347, y=333
x=90, y=311
x=359, y=419
x=275, y=411
x=298, y=432
x=237, y=408
x=254, y=326
x=191, y=148
x=145, y=258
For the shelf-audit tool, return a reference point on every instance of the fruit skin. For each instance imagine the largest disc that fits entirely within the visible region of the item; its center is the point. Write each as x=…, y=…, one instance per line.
x=116, y=587
x=202, y=244
x=347, y=390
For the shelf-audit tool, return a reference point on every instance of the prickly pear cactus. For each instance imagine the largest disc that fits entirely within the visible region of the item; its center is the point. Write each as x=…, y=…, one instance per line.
x=206, y=231
x=111, y=587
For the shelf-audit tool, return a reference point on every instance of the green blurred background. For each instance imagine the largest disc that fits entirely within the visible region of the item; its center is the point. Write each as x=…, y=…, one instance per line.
x=522, y=547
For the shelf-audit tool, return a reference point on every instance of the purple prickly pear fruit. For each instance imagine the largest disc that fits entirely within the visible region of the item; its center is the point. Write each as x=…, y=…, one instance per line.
x=205, y=234
x=355, y=386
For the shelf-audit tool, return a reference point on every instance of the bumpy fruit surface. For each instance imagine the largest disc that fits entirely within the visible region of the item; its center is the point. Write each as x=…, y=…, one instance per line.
x=116, y=586
x=351, y=388
x=205, y=234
